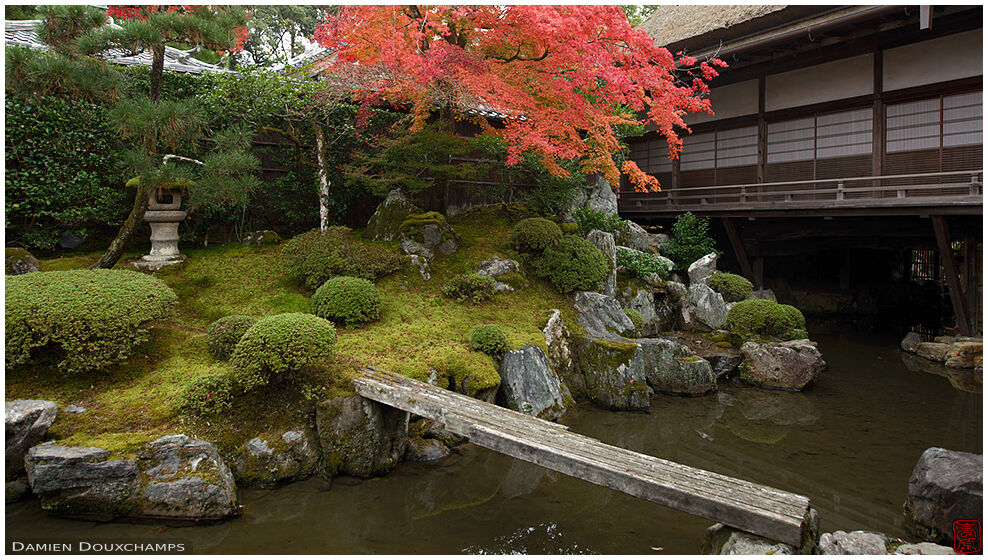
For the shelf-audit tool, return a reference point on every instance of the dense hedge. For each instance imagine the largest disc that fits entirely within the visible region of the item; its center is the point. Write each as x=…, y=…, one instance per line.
x=731, y=286
x=87, y=319
x=642, y=264
x=533, y=235
x=588, y=220
x=764, y=319
x=573, y=263
x=314, y=257
x=349, y=300
x=223, y=334
x=279, y=345
x=489, y=339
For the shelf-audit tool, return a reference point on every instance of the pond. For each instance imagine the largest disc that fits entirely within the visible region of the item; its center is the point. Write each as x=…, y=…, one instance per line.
x=849, y=443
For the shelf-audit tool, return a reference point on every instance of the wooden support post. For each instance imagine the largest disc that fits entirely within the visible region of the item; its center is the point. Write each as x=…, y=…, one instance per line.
x=759, y=273
x=971, y=268
x=957, y=297
x=739, y=251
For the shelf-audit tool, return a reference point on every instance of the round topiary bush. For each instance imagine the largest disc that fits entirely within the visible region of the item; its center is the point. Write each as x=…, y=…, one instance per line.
x=533, y=235
x=279, y=345
x=223, y=334
x=762, y=318
x=573, y=263
x=349, y=300
x=316, y=256
x=489, y=339
x=731, y=286
x=86, y=319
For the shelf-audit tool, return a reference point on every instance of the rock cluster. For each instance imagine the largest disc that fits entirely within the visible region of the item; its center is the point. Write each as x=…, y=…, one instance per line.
x=958, y=352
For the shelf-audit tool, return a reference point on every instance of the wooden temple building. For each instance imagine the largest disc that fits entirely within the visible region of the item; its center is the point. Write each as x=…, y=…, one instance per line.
x=845, y=149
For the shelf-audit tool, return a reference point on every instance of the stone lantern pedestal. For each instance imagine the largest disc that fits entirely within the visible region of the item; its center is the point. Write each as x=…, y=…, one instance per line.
x=163, y=214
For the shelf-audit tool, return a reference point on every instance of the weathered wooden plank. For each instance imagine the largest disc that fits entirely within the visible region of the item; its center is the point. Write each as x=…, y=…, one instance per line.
x=758, y=509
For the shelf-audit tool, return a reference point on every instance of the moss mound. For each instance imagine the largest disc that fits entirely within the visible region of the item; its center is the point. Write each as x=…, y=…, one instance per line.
x=314, y=257
x=636, y=319
x=349, y=300
x=731, y=286
x=489, y=339
x=573, y=263
x=279, y=345
x=88, y=319
x=534, y=235
x=224, y=333
x=764, y=319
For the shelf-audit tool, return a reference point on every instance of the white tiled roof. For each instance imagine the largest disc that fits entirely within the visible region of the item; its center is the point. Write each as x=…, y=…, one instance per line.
x=22, y=32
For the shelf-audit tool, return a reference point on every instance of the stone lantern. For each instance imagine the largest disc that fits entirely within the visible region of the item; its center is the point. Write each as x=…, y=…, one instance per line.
x=164, y=213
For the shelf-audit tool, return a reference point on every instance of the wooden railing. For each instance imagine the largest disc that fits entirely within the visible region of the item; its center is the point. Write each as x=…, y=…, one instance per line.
x=916, y=189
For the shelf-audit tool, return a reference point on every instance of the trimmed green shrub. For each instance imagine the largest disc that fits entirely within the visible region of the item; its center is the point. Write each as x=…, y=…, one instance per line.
x=489, y=339
x=731, y=286
x=87, y=319
x=314, y=257
x=764, y=319
x=349, y=300
x=470, y=287
x=208, y=395
x=690, y=240
x=636, y=319
x=533, y=235
x=224, y=333
x=281, y=344
x=573, y=263
x=569, y=228
x=588, y=220
x=642, y=264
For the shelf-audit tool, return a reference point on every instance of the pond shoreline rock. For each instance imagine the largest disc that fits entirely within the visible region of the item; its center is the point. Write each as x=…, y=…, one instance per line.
x=673, y=368
x=790, y=365
x=529, y=385
x=612, y=374
x=270, y=459
x=855, y=542
x=360, y=437
x=944, y=486
x=26, y=425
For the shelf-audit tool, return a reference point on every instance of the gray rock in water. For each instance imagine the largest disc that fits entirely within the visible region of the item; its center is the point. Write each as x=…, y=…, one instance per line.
x=637, y=294
x=612, y=374
x=602, y=315
x=605, y=242
x=262, y=238
x=910, y=342
x=790, y=365
x=723, y=361
x=702, y=268
x=81, y=482
x=360, y=437
x=855, y=542
x=671, y=367
x=385, y=224
x=528, y=384
x=721, y=539
x=14, y=490
x=26, y=425
x=704, y=309
x=934, y=351
x=925, y=548
x=422, y=450
x=964, y=355
x=185, y=479
x=945, y=486
x=602, y=197
x=269, y=459
x=633, y=236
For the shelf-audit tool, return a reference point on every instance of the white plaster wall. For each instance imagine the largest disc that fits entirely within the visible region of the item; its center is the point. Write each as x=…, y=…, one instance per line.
x=732, y=100
x=937, y=60
x=840, y=79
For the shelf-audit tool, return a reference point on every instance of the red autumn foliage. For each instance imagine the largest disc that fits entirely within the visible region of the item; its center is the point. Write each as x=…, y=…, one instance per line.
x=566, y=75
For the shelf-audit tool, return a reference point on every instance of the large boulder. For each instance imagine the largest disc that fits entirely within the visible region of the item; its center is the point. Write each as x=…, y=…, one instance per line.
x=965, y=355
x=562, y=358
x=636, y=294
x=924, y=548
x=945, y=486
x=385, y=224
x=855, y=542
x=704, y=309
x=268, y=459
x=602, y=315
x=612, y=374
x=528, y=384
x=702, y=268
x=605, y=242
x=673, y=368
x=911, y=341
x=428, y=233
x=634, y=237
x=360, y=437
x=579, y=200
x=790, y=365
x=934, y=351
x=26, y=425
x=172, y=478
x=19, y=261
x=495, y=267
x=602, y=197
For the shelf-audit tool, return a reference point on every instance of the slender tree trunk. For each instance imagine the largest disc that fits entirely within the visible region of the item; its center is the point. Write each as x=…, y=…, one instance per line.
x=323, y=178
x=133, y=221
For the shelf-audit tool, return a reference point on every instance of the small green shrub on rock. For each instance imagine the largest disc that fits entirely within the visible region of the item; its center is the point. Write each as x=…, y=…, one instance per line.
x=690, y=240
x=731, y=286
x=281, y=344
x=764, y=319
x=533, y=235
x=223, y=334
x=573, y=263
x=588, y=220
x=488, y=339
x=470, y=287
x=636, y=319
x=642, y=264
x=314, y=257
x=345, y=299
x=87, y=319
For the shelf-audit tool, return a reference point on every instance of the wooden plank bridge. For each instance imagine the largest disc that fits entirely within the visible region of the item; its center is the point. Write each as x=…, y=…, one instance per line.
x=764, y=511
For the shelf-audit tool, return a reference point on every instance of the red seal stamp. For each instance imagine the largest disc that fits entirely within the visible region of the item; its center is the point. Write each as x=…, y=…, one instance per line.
x=967, y=536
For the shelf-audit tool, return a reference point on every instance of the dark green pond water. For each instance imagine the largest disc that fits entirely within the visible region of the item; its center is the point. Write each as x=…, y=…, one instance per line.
x=849, y=443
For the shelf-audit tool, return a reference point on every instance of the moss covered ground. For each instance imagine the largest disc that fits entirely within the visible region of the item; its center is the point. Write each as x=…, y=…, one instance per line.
x=139, y=400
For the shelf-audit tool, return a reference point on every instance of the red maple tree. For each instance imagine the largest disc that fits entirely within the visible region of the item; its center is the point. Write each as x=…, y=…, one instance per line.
x=565, y=75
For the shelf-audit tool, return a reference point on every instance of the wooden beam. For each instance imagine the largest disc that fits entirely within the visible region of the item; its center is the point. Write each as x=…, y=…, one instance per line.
x=739, y=251
x=957, y=297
